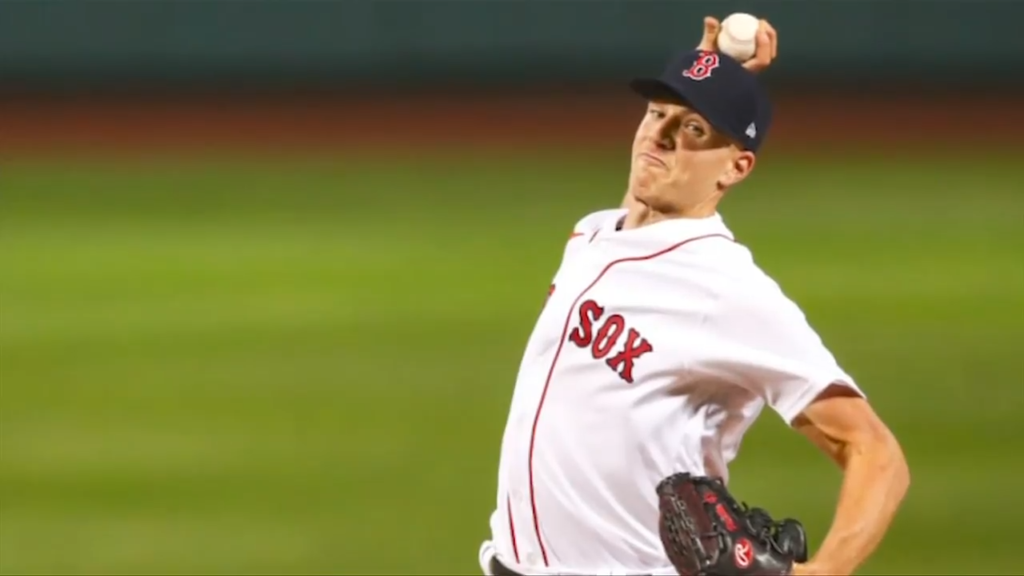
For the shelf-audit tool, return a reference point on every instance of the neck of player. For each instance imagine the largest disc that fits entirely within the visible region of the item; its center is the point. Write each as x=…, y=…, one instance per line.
x=640, y=214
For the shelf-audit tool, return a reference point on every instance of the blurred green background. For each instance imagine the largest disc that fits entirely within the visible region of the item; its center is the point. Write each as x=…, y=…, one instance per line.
x=221, y=361
x=231, y=366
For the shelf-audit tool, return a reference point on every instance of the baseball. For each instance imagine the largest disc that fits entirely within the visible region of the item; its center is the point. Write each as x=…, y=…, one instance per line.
x=738, y=36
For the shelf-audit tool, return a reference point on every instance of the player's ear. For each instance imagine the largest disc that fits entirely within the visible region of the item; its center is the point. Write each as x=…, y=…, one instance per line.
x=740, y=166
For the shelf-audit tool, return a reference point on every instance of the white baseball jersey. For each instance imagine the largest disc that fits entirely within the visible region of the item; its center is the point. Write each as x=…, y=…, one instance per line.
x=656, y=350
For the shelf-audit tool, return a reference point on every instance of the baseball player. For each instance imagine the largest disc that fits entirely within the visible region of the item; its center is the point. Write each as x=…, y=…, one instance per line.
x=660, y=343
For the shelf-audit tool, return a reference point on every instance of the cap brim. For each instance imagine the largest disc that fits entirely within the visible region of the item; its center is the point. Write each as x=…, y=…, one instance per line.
x=655, y=89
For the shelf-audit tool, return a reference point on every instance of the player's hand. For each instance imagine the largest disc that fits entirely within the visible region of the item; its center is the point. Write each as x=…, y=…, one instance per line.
x=767, y=43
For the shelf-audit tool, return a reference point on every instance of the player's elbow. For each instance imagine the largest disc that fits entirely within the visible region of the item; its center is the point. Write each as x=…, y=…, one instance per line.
x=896, y=467
x=877, y=447
x=848, y=429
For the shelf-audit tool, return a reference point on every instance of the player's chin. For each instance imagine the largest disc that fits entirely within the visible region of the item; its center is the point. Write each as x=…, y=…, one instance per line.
x=644, y=189
x=638, y=196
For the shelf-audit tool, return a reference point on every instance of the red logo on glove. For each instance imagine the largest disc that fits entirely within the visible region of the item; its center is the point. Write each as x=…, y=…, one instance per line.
x=744, y=553
x=730, y=524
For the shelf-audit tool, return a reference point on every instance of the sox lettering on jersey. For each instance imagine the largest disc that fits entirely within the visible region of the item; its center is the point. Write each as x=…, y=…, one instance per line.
x=607, y=336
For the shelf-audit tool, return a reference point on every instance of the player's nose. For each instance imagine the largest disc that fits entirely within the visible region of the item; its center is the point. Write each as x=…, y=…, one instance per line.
x=664, y=139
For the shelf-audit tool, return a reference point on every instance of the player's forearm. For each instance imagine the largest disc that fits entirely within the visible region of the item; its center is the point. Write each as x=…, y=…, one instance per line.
x=875, y=481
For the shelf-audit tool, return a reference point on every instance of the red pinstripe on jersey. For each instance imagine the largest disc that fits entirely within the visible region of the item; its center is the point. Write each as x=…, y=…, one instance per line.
x=554, y=362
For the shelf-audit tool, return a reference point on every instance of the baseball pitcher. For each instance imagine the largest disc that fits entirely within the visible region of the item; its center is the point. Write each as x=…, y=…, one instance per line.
x=659, y=345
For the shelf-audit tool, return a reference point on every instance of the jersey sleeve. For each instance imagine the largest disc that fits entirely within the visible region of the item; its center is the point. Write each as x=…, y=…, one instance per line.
x=762, y=341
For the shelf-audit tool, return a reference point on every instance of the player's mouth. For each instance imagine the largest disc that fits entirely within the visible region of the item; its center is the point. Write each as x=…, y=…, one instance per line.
x=651, y=159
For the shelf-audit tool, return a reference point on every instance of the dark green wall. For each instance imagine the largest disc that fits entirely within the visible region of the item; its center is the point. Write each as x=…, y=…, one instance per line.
x=76, y=42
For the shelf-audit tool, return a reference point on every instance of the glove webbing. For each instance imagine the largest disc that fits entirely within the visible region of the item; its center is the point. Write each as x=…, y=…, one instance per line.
x=683, y=534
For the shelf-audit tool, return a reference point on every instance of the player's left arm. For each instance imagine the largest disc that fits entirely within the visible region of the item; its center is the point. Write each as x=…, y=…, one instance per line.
x=763, y=341
x=875, y=477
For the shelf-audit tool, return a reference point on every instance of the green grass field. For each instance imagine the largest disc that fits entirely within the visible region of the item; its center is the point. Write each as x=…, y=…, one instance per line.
x=227, y=366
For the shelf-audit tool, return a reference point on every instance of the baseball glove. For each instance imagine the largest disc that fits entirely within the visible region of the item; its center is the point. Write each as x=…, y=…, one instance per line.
x=706, y=532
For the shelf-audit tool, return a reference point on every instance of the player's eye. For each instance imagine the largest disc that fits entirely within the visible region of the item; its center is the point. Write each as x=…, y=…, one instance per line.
x=695, y=129
x=655, y=112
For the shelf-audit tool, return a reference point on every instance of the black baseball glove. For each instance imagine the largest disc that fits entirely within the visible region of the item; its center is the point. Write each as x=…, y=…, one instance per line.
x=706, y=532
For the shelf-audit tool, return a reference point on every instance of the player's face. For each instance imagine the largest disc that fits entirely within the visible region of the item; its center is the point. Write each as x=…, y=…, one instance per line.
x=681, y=162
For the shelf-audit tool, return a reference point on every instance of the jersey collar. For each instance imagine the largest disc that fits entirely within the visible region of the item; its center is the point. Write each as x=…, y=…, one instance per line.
x=672, y=228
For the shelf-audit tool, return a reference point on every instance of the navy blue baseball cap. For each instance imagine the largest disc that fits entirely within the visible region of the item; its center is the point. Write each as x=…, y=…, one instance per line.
x=718, y=88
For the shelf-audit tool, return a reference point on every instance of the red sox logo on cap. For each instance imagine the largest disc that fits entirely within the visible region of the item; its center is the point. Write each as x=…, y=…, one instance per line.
x=702, y=66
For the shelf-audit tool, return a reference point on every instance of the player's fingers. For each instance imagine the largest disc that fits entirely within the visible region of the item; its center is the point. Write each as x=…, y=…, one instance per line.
x=763, y=53
x=710, y=39
x=773, y=36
